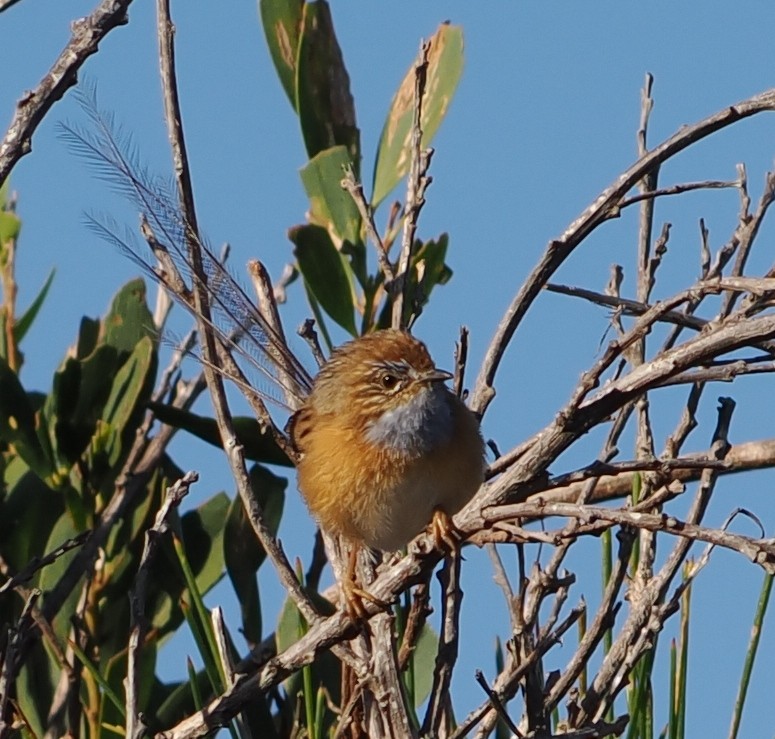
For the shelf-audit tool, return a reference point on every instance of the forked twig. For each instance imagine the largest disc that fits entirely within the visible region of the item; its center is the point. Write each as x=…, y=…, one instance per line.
x=87, y=34
x=135, y=727
x=417, y=182
x=598, y=212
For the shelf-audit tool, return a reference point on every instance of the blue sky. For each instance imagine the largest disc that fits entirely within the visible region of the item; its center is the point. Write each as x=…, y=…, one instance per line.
x=544, y=119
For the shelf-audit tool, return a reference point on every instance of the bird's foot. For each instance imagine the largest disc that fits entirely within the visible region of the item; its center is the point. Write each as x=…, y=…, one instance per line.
x=446, y=536
x=355, y=599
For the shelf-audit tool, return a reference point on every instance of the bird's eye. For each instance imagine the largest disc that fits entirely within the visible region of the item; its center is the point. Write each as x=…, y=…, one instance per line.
x=388, y=381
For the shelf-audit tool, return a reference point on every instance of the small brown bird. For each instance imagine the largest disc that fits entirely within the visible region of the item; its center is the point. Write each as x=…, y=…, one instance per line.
x=384, y=446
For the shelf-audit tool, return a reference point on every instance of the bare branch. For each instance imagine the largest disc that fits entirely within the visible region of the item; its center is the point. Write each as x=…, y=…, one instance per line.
x=603, y=207
x=417, y=182
x=87, y=33
x=461, y=357
x=415, y=621
x=38, y=563
x=506, y=683
x=135, y=726
x=308, y=333
x=355, y=188
x=13, y=659
x=202, y=312
x=677, y=190
x=449, y=577
x=496, y=703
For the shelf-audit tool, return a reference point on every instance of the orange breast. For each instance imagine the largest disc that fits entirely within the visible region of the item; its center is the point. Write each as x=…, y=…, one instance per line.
x=376, y=495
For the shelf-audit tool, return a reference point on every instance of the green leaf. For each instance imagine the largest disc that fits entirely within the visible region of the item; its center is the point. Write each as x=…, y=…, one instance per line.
x=128, y=319
x=243, y=553
x=18, y=424
x=750, y=654
x=330, y=205
x=73, y=408
x=108, y=379
x=445, y=66
x=202, y=531
x=178, y=700
x=325, y=670
x=258, y=444
x=35, y=687
x=130, y=389
x=88, y=335
x=112, y=707
x=282, y=20
x=96, y=403
x=428, y=270
x=200, y=558
x=23, y=324
x=325, y=272
x=203, y=538
x=29, y=511
x=10, y=226
x=65, y=528
x=127, y=385
x=424, y=657
x=323, y=99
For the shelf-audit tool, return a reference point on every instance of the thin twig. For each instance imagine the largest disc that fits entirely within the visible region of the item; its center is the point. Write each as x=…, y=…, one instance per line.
x=167, y=269
x=135, y=726
x=756, y=286
x=496, y=703
x=502, y=581
x=635, y=636
x=86, y=36
x=390, y=710
x=417, y=182
x=756, y=454
x=231, y=445
x=267, y=303
x=13, y=661
x=506, y=683
x=181, y=351
x=461, y=357
x=308, y=333
x=664, y=466
x=446, y=656
x=280, y=287
x=728, y=336
x=415, y=621
x=601, y=209
x=761, y=551
x=38, y=563
x=355, y=188
x=677, y=190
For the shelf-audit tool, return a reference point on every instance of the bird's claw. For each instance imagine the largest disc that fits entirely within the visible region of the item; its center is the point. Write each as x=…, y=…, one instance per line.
x=446, y=536
x=354, y=601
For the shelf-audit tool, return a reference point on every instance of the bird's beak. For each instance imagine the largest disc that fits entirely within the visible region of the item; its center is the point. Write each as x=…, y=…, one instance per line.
x=435, y=375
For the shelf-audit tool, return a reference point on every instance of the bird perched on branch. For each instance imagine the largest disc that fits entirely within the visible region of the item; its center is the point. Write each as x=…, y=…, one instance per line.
x=384, y=447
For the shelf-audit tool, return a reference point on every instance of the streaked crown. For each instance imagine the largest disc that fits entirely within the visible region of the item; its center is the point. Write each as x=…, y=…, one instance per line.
x=379, y=370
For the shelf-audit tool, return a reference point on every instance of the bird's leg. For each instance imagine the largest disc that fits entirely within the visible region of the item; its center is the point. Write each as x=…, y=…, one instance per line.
x=351, y=593
x=354, y=596
x=446, y=536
